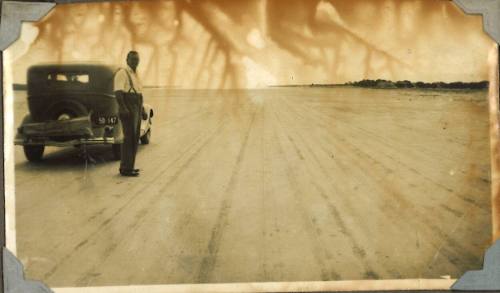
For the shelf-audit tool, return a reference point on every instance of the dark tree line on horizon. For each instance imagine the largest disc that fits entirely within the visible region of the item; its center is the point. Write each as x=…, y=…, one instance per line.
x=382, y=83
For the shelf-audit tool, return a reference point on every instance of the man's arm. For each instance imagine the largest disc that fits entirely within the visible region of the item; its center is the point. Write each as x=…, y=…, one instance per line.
x=121, y=103
x=120, y=87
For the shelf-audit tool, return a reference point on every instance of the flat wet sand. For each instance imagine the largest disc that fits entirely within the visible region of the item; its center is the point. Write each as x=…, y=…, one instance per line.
x=285, y=184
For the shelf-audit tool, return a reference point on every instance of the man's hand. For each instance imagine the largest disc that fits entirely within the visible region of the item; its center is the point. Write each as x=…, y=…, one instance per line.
x=124, y=112
x=122, y=108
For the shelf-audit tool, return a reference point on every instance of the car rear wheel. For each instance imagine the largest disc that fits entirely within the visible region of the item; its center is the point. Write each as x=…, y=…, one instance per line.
x=71, y=109
x=146, y=137
x=117, y=151
x=34, y=153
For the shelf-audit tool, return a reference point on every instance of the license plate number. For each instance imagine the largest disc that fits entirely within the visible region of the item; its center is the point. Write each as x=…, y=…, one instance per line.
x=112, y=120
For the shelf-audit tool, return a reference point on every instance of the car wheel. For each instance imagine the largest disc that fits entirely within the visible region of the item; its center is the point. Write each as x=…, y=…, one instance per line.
x=146, y=137
x=69, y=108
x=34, y=153
x=117, y=151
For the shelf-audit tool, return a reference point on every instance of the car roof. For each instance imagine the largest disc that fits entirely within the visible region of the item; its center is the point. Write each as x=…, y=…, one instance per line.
x=74, y=67
x=101, y=78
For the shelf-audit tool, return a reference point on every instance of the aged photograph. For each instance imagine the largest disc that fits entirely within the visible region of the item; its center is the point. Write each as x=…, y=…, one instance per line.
x=217, y=141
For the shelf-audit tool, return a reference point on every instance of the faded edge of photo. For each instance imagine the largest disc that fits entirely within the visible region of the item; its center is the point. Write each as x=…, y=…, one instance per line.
x=9, y=176
x=314, y=286
x=493, y=97
x=319, y=286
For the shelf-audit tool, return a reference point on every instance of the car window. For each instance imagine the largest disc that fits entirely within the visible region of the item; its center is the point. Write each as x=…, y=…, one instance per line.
x=61, y=77
x=69, y=77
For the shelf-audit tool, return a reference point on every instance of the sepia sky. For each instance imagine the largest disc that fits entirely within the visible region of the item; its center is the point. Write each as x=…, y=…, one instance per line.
x=257, y=43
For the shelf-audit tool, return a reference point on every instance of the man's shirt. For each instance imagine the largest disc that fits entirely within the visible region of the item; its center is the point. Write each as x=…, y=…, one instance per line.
x=122, y=81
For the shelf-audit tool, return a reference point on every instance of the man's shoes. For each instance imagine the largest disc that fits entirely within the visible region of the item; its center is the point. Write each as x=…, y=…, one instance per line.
x=137, y=170
x=129, y=173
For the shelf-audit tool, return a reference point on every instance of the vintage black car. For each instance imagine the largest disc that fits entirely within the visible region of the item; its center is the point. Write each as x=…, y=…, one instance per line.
x=73, y=105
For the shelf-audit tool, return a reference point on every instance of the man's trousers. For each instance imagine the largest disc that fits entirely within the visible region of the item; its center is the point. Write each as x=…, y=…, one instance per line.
x=131, y=125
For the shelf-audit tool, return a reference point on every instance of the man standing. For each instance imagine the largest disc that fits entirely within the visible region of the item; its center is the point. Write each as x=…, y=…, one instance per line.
x=128, y=92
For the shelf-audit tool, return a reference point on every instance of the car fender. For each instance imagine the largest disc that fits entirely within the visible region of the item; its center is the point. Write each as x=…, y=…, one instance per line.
x=117, y=132
x=27, y=119
x=149, y=110
x=146, y=123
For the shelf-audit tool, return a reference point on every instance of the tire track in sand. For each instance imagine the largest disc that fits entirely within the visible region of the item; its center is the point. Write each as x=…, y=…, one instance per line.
x=208, y=263
x=205, y=138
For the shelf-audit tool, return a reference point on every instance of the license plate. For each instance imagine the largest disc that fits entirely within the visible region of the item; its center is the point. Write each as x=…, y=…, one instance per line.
x=111, y=120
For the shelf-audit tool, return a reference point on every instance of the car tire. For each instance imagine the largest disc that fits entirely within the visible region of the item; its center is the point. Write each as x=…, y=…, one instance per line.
x=34, y=153
x=73, y=109
x=117, y=151
x=146, y=137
